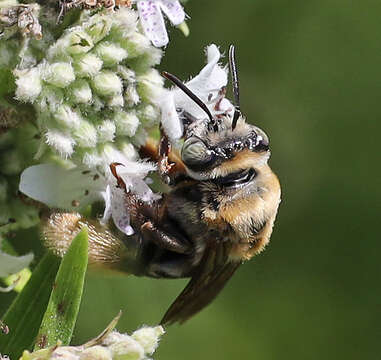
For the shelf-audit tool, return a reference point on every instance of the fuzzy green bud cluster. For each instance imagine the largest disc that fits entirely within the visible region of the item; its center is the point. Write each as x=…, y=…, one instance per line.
x=95, y=85
x=115, y=346
x=86, y=87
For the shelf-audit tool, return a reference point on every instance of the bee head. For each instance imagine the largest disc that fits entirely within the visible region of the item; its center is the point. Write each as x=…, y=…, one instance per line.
x=219, y=146
x=210, y=154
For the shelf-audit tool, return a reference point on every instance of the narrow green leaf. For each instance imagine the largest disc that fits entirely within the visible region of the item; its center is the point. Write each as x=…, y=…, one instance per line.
x=26, y=312
x=61, y=313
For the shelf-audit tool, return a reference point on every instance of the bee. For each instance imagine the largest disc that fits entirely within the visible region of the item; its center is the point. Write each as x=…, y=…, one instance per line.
x=219, y=212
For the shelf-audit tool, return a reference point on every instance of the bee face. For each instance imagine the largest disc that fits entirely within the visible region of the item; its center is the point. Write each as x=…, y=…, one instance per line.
x=224, y=155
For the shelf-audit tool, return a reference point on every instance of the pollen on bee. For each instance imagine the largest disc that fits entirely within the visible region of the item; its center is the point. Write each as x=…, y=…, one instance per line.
x=60, y=228
x=59, y=231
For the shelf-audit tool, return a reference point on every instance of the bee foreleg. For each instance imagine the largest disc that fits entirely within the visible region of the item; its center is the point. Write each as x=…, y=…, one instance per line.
x=165, y=166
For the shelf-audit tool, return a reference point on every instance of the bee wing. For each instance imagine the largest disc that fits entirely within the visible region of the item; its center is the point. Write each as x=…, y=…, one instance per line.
x=209, y=279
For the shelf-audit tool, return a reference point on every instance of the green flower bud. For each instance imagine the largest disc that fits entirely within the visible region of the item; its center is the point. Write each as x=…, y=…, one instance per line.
x=106, y=131
x=28, y=84
x=81, y=92
x=110, y=53
x=148, y=337
x=127, y=349
x=150, y=85
x=65, y=353
x=98, y=27
x=96, y=353
x=74, y=42
x=78, y=42
x=62, y=143
x=88, y=65
x=131, y=95
x=129, y=151
x=107, y=83
x=126, y=123
x=86, y=135
x=66, y=117
x=51, y=98
x=59, y=74
x=125, y=22
x=126, y=74
x=136, y=44
x=149, y=115
x=117, y=100
x=91, y=159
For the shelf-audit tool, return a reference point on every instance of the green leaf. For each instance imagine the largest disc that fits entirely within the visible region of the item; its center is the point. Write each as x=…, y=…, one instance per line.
x=61, y=314
x=26, y=312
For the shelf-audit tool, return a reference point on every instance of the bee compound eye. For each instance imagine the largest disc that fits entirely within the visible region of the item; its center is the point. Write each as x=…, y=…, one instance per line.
x=262, y=140
x=195, y=153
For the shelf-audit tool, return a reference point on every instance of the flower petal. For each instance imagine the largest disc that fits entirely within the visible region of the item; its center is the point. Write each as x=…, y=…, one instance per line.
x=152, y=22
x=119, y=210
x=173, y=10
x=206, y=85
x=12, y=264
x=61, y=188
x=169, y=118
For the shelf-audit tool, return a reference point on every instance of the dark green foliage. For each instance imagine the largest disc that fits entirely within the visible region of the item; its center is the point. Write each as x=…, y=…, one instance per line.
x=25, y=314
x=61, y=314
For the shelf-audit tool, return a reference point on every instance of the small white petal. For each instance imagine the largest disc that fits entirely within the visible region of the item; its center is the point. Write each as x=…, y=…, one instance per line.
x=169, y=117
x=12, y=264
x=61, y=188
x=119, y=210
x=173, y=10
x=206, y=85
x=108, y=211
x=152, y=22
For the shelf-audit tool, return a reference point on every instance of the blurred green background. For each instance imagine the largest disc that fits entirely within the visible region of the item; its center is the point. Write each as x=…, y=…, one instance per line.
x=310, y=76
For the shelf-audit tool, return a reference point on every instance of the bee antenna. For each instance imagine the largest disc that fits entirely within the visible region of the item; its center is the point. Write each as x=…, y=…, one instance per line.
x=235, y=83
x=193, y=96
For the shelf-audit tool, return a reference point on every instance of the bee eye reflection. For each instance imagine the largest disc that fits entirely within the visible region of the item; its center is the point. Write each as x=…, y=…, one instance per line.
x=196, y=153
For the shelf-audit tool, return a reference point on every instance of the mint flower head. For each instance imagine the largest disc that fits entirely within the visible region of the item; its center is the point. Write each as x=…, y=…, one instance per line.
x=86, y=91
x=109, y=345
x=78, y=94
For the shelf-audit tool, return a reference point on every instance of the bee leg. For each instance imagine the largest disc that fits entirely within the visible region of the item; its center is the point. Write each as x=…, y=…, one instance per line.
x=165, y=166
x=164, y=240
x=165, y=253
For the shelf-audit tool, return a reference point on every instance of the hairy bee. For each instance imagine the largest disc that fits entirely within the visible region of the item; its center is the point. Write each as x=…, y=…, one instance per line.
x=219, y=212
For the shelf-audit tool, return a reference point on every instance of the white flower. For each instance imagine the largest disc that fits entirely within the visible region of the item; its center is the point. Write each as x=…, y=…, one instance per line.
x=12, y=264
x=208, y=85
x=74, y=189
x=152, y=20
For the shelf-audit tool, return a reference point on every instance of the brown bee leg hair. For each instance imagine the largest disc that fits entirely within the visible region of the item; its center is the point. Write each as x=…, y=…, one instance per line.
x=165, y=166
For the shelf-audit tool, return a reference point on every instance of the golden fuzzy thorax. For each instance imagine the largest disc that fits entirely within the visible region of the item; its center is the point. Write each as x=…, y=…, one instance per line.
x=251, y=207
